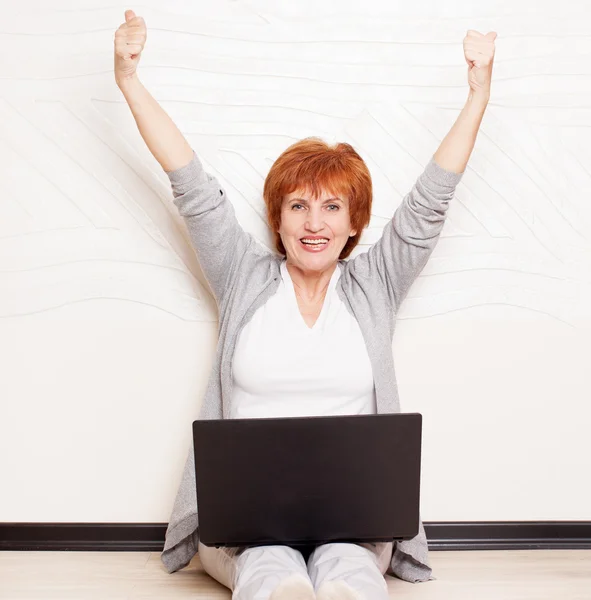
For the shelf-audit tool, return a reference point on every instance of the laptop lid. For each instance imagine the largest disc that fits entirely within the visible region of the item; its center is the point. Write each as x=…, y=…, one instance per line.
x=305, y=480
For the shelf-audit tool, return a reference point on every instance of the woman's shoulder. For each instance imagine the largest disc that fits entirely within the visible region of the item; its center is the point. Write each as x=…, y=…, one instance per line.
x=259, y=262
x=363, y=285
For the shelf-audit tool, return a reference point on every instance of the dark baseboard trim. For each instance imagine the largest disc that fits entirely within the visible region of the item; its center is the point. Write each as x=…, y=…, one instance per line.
x=110, y=537
x=510, y=535
x=149, y=537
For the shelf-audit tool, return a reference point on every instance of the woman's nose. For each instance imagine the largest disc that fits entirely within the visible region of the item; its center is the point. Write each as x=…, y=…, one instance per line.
x=315, y=221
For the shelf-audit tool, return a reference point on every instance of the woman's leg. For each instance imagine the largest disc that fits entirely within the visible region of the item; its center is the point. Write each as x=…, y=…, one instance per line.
x=256, y=573
x=272, y=572
x=350, y=571
x=220, y=562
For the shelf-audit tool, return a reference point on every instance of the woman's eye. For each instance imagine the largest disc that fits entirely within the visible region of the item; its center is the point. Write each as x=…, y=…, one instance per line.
x=331, y=207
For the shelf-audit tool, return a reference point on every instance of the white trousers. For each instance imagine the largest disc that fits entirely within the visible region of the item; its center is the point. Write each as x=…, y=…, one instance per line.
x=253, y=573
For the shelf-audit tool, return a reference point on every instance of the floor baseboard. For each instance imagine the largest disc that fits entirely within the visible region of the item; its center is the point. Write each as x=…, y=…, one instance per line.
x=509, y=535
x=149, y=537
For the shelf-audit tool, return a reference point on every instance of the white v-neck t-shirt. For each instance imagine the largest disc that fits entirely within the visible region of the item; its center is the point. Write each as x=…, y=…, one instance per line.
x=284, y=368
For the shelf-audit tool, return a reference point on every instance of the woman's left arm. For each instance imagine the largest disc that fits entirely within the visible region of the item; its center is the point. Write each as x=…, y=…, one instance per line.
x=408, y=240
x=456, y=147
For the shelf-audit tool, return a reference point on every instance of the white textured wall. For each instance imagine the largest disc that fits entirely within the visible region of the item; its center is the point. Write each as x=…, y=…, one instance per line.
x=106, y=328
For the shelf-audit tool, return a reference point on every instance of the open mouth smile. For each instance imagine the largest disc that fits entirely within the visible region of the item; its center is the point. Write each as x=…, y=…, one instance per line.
x=314, y=244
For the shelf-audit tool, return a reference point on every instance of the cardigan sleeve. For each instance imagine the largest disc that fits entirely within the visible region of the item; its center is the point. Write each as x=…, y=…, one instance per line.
x=409, y=238
x=217, y=237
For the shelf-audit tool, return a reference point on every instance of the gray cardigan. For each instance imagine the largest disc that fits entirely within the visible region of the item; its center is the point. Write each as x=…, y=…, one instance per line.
x=243, y=276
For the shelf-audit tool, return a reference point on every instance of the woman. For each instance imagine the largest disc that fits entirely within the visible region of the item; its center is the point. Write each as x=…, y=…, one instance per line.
x=333, y=318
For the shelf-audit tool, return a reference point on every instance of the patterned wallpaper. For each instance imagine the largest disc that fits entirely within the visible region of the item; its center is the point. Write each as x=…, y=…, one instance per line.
x=107, y=327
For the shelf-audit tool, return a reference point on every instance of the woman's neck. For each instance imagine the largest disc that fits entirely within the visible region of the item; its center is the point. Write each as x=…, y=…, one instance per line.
x=310, y=285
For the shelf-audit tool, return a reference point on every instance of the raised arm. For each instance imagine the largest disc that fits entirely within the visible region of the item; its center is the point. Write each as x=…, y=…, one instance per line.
x=408, y=240
x=457, y=146
x=162, y=136
x=216, y=235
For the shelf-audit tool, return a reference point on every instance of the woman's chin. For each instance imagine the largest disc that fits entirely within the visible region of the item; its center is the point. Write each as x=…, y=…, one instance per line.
x=314, y=262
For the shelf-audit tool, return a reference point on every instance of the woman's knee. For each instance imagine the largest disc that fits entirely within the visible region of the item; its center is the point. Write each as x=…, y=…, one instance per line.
x=352, y=563
x=342, y=550
x=219, y=563
x=261, y=569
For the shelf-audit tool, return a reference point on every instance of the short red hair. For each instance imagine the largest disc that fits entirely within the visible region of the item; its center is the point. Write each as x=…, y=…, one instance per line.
x=313, y=165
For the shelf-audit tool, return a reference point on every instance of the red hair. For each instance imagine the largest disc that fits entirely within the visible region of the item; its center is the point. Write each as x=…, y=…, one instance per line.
x=314, y=166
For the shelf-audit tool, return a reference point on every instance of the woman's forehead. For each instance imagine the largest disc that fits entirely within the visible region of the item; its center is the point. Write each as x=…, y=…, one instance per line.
x=320, y=194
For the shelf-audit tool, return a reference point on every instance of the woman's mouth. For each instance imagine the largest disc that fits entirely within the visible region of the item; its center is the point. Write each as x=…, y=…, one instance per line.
x=314, y=244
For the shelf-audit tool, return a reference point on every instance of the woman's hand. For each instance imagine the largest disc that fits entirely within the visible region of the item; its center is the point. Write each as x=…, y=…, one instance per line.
x=130, y=39
x=479, y=52
x=455, y=149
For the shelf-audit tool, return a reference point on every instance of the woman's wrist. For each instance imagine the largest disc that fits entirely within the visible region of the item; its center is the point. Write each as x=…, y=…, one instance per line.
x=480, y=98
x=125, y=82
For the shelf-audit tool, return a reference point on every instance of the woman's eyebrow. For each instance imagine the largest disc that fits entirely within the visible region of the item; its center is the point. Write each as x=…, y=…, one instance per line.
x=306, y=200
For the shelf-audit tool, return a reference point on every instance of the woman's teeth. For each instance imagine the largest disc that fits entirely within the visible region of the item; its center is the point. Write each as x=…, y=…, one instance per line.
x=314, y=242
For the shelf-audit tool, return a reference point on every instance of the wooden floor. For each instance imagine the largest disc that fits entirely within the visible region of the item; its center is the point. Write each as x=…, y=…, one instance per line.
x=498, y=575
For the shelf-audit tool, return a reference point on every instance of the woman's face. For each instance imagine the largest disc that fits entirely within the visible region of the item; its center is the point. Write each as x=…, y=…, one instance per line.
x=314, y=230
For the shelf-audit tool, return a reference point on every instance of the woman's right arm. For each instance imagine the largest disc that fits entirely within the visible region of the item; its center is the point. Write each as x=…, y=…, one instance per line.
x=218, y=239
x=162, y=136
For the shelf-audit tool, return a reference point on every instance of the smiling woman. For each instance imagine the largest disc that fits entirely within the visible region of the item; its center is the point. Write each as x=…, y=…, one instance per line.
x=318, y=202
x=312, y=170
x=305, y=333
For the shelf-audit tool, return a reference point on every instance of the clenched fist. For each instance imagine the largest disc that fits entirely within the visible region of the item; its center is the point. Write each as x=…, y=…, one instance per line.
x=129, y=43
x=479, y=52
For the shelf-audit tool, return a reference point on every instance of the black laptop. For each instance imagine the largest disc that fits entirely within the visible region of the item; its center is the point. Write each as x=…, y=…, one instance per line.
x=308, y=480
